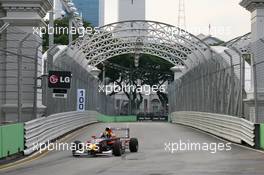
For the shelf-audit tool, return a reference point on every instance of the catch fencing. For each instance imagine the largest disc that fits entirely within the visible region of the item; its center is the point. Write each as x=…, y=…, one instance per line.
x=213, y=86
x=20, y=67
x=24, y=92
x=81, y=79
x=258, y=74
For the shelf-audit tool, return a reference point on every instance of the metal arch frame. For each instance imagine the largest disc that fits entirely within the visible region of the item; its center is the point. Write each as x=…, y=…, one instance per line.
x=168, y=46
x=114, y=30
x=181, y=48
x=182, y=56
x=155, y=24
x=155, y=52
x=176, y=39
x=188, y=43
x=241, y=44
x=90, y=42
x=157, y=41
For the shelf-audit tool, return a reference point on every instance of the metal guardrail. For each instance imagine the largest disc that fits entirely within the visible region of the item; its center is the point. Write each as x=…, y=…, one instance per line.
x=45, y=129
x=228, y=127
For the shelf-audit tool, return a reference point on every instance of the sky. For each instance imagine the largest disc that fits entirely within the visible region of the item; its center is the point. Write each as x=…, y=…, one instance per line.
x=226, y=17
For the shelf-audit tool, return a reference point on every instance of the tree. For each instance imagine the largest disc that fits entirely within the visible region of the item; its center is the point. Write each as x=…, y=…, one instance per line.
x=61, y=38
x=151, y=71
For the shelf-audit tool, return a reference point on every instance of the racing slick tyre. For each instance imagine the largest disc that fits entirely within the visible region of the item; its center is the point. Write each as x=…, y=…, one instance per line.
x=117, y=148
x=77, y=145
x=133, y=145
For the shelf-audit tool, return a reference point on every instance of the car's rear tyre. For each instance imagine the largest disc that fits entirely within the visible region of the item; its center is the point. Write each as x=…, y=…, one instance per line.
x=77, y=145
x=117, y=148
x=133, y=145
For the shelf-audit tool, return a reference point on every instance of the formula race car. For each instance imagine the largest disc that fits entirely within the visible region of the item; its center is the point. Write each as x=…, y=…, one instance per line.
x=116, y=145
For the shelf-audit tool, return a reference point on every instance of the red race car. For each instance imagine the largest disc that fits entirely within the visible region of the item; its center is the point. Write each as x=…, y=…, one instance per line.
x=107, y=143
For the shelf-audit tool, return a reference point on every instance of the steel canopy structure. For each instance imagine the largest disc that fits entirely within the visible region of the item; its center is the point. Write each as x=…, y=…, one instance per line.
x=146, y=37
x=208, y=79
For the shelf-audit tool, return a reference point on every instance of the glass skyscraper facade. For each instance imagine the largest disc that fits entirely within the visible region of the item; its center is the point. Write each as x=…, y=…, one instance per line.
x=89, y=10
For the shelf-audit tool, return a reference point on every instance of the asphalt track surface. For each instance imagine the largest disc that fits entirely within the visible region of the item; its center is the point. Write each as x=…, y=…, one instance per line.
x=152, y=159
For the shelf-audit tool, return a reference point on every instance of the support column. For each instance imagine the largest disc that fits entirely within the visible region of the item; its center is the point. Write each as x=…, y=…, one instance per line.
x=22, y=17
x=256, y=102
x=178, y=72
x=70, y=28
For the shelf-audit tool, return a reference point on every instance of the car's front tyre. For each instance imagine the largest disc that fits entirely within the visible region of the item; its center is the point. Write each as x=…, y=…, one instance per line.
x=133, y=145
x=77, y=145
x=117, y=148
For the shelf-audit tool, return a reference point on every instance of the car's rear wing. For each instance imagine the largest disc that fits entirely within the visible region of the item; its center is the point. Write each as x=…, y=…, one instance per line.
x=127, y=134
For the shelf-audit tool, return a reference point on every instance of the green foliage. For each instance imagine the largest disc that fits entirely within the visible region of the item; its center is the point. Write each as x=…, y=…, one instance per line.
x=151, y=71
x=61, y=39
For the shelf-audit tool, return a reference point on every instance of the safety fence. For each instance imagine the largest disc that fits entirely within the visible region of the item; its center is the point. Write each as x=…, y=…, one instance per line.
x=11, y=139
x=257, y=62
x=20, y=67
x=47, y=129
x=231, y=128
x=24, y=92
x=213, y=86
x=81, y=79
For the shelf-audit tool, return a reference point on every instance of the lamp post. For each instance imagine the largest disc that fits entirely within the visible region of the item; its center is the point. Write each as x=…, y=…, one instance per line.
x=138, y=48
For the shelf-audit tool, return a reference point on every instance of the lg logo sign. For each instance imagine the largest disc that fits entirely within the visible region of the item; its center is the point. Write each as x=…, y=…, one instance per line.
x=59, y=79
x=53, y=79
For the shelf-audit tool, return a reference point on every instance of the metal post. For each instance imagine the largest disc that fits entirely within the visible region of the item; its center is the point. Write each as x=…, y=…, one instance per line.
x=19, y=78
x=49, y=66
x=45, y=84
x=243, y=87
x=255, y=88
x=34, y=114
x=51, y=25
x=104, y=81
x=130, y=89
x=230, y=111
x=70, y=28
x=242, y=80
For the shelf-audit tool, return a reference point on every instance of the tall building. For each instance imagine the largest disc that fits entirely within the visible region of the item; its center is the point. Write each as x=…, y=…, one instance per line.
x=58, y=10
x=120, y=10
x=108, y=10
x=131, y=10
x=101, y=12
x=89, y=10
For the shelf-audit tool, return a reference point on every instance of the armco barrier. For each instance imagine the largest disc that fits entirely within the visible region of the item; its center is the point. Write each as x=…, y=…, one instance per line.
x=50, y=128
x=228, y=127
x=109, y=119
x=11, y=139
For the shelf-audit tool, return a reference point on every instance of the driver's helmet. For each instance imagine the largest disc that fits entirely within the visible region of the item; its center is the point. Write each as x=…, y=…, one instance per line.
x=108, y=132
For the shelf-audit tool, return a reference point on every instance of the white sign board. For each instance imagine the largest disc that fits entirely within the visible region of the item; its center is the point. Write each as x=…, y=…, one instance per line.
x=81, y=100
